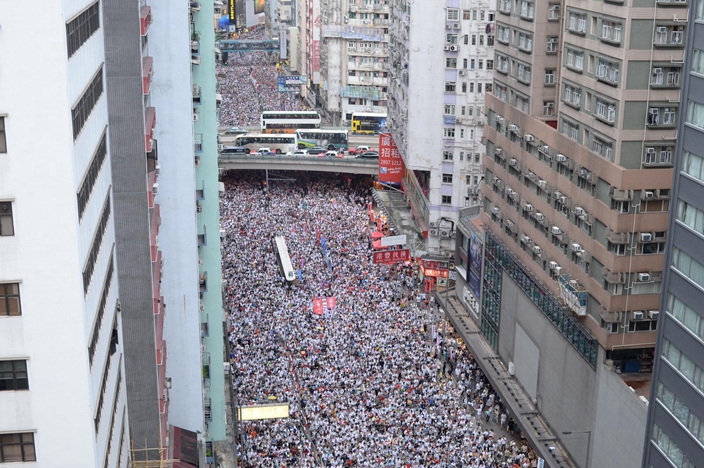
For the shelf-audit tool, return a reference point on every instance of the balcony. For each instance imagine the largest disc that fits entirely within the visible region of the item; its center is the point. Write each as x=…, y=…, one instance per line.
x=203, y=282
x=195, y=48
x=198, y=143
x=145, y=19
x=155, y=222
x=197, y=95
x=207, y=409
x=362, y=33
x=149, y=124
x=194, y=6
x=147, y=72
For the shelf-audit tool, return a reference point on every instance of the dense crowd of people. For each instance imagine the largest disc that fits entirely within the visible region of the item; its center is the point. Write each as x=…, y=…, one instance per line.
x=248, y=86
x=375, y=379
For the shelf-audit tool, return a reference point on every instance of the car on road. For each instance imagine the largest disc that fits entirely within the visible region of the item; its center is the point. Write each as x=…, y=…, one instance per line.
x=331, y=153
x=360, y=150
x=316, y=151
x=236, y=131
x=368, y=155
x=265, y=152
x=297, y=154
x=234, y=150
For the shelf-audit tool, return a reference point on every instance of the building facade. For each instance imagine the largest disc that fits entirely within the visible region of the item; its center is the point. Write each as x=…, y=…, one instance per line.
x=675, y=433
x=580, y=133
x=63, y=391
x=441, y=65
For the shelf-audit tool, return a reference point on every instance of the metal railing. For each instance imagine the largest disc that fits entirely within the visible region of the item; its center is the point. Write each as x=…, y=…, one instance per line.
x=283, y=157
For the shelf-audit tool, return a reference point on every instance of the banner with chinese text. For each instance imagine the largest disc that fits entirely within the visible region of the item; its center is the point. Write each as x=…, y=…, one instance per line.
x=392, y=256
x=391, y=167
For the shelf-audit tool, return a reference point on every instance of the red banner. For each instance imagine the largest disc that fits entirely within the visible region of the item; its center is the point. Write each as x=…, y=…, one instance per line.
x=391, y=167
x=318, y=306
x=434, y=273
x=392, y=256
x=322, y=304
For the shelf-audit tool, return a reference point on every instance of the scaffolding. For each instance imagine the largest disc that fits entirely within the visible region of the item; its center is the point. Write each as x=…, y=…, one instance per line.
x=161, y=462
x=574, y=295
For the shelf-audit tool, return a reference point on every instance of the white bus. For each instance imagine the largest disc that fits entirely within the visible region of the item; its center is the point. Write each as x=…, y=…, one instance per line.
x=279, y=144
x=283, y=259
x=328, y=139
x=289, y=121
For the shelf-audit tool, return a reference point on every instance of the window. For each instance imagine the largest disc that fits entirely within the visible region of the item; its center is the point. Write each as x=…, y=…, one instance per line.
x=503, y=34
x=605, y=110
x=447, y=178
x=466, y=15
x=81, y=28
x=550, y=76
x=695, y=114
x=688, y=266
x=17, y=447
x=657, y=77
x=96, y=163
x=451, y=39
x=450, y=62
x=7, y=227
x=490, y=41
x=453, y=15
x=522, y=72
x=489, y=87
x=96, y=244
x=668, y=115
x=548, y=107
x=611, y=31
x=554, y=12
x=551, y=47
x=527, y=9
x=577, y=23
x=449, y=109
x=82, y=110
x=10, y=300
x=672, y=452
x=697, y=60
x=693, y=165
x=505, y=6
x=525, y=42
x=575, y=59
x=489, y=64
x=688, y=418
x=607, y=71
x=13, y=376
x=474, y=39
x=570, y=130
x=449, y=133
x=472, y=64
x=450, y=86
x=480, y=64
x=687, y=316
x=102, y=306
x=3, y=137
x=447, y=199
x=447, y=155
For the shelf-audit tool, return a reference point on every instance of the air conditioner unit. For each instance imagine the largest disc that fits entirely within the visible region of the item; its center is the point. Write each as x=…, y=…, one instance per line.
x=574, y=284
x=653, y=314
x=453, y=48
x=643, y=277
x=563, y=199
x=661, y=29
x=576, y=247
x=528, y=137
x=649, y=194
x=646, y=237
x=447, y=47
x=445, y=233
x=512, y=162
x=539, y=216
x=544, y=148
x=463, y=72
x=526, y=239
x=657, y=71
x=496, y=180
x=513, y=128
x=495, y=210
x=552, y=264
x=433, y=231
x=537, y=249
x=528, y=207
x=155, y=189
x=498, y=151
x=511, y=368
x=456, y=26
x=531, y=175
x=556, y=194
x=637, y=315
x=197, y=161
x=542, y=183
x=556, y=230
x=561, y=157
x=199, y=208
x=499, y=119
x=579, y=211
x=558, y=269
x=157, y=170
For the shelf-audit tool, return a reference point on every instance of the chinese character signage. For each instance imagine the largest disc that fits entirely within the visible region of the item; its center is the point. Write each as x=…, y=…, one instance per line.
x=290, y=84
x=391, y=167
x=391, y=256
x=323, y=304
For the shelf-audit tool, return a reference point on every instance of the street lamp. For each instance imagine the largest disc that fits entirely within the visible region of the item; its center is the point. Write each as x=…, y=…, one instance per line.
x=589, y=440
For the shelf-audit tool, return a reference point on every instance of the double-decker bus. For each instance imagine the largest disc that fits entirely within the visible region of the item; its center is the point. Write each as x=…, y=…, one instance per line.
x=279, y=144
x=328, y=139
x=289, y=121
x=368, y=123
x=283, y=259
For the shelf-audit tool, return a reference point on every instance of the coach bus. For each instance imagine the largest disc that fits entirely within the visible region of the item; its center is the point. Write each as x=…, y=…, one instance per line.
x=282, y=258
x=289, y=121
x=279, y=144
x=328, y=139
x=368, y=123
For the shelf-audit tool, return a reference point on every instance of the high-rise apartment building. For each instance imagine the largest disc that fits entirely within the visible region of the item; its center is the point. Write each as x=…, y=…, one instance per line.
x=675, y=434
x=580, y=134
x=354, y=57
x=442, y=62
x=63, y=390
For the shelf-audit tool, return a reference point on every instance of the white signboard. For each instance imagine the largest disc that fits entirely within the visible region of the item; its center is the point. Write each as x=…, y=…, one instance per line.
x=393, y=240
x=541, y=463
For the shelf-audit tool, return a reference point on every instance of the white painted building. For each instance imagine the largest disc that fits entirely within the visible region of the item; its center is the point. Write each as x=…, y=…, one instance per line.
x=62, y=389
x=441, y=66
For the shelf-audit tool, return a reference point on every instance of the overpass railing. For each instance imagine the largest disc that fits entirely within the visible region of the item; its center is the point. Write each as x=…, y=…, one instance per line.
x=283, y=158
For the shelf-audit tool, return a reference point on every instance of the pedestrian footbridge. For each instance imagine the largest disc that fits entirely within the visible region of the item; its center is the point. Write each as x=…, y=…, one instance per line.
x=282, y=162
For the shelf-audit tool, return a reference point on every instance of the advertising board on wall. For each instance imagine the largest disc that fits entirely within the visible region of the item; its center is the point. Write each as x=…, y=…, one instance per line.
x=391, y=166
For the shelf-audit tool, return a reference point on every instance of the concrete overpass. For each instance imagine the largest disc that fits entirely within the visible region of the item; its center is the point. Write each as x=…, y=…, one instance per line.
x=348, y=165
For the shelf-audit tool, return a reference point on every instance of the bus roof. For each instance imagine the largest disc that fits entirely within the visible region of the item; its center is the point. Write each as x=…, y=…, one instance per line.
x=367, y=114
x=318, y=130
x=283, y=255
x=264, y=135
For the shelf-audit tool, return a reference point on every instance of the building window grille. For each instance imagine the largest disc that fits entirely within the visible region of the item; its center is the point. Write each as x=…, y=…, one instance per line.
x=82, y=27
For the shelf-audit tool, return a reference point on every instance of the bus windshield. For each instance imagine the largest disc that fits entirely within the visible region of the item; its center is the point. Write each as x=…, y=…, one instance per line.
x=367, y=123
x=328, y=139
x=283, y=259
x=279, y=144
x=289, y=121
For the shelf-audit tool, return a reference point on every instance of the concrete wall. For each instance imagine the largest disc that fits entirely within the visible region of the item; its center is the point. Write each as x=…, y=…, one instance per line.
x=171, y=95
x=570, y=394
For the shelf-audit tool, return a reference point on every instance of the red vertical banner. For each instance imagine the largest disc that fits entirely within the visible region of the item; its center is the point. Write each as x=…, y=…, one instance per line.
x=318, y=306
x=391, y=166
x=331, y=302
x=378, y=224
